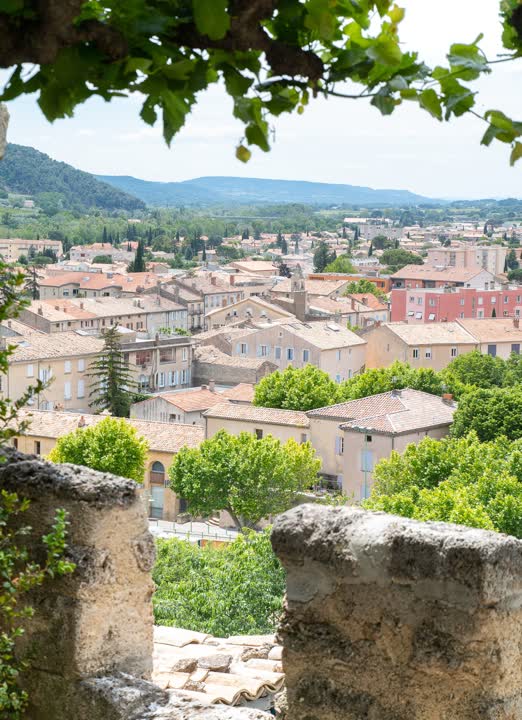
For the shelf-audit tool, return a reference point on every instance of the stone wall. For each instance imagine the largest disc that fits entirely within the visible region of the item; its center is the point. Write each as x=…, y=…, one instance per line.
x=91, y=635
x=391, y=619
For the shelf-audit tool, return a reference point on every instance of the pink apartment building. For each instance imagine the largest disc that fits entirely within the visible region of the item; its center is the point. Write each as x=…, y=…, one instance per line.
x=422, y=305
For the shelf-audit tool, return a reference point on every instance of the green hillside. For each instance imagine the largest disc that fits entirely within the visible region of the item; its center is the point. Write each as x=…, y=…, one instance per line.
x=237, y=190
x=27, y=171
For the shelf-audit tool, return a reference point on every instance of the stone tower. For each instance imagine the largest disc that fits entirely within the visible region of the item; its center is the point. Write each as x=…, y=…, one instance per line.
x=299, y=295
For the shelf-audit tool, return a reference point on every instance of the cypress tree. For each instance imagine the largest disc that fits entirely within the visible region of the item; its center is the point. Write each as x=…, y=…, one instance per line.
x=113, y=385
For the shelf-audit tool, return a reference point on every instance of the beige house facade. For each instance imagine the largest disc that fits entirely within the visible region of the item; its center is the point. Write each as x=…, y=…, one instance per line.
x=498, y=337
x=236, y=418
x=330, y=347
x=164, y=441
x=252, y=308
x=11, y=249
x=434, y=345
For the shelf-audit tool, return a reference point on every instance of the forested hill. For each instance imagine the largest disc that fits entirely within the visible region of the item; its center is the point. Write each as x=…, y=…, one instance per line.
x=227, y=190
x=29, y=172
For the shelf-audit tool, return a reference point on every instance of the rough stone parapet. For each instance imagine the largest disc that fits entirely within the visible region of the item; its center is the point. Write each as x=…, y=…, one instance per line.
x=393, y=619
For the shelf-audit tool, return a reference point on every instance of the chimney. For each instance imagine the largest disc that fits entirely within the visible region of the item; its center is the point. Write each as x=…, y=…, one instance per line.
x=447, y=398
x=213, y=280
x=81, y=422
x=204, y=387
x=212, y=385
x=516, y=322
x=157, y=339
x=232, y=279
x=40, y=310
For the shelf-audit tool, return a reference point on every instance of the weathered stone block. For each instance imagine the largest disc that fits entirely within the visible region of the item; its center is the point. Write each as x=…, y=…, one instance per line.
x=392, y=619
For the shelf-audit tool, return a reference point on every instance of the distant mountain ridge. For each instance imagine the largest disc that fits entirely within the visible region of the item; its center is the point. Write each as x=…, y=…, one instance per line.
x=209, y=190
x=28, y=171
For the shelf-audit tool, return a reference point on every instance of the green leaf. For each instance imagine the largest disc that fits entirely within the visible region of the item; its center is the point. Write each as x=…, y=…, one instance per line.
x=516, y=153
x=320, y=18
x=430, y=101
x=385, y=103
x=243, y=154
x=386, y=51
x=211, y=18
x=256, y=134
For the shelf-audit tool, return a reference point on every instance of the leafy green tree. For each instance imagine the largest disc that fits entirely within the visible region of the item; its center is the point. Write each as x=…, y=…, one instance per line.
x=475, y=368
x=112, y=385
x=296, y=389
x=102, y=259
x=138, y=264
x=511, y=260
x=515, y=275
x=111, y=445
x=31, y=283
x=459, y=480
x=398, y=259
x=250, y=478
x=341, y=264
x=395, y=377
x=234, y=590
x=366, y=287
x=323, y=257
x=381, y=242
x=490, y=413
x=299, y=50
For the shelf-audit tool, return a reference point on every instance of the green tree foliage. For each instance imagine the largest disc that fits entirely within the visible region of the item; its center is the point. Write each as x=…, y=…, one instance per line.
x=25, y=170
x=476, y=369
x=511, y=260
x=249, y=478
x=138, y=264
x=515, y=275
x=271, y=57
x=397, y=376
x=112, y=386
x=459, y=480
x=102, y=259
x=111, y=445
x=323, y=257
x=397, y=259
x=366, y=287
x=381, y=242
x=296, y=389
x=31, y=282
x=490, y=413
x=341, y=264
x=234, y=590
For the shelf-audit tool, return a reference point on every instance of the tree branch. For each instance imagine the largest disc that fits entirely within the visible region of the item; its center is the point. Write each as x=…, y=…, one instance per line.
x=4, y=122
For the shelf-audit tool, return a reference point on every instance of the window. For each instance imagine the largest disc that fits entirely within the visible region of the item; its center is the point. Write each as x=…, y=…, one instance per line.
x=37, y=447
x=263, y=350
x=492, y=350
x=493, y=300
x=367, y=460
x=306, y=356
x=415, y=353
x=243, y=348
x=454, y=352
x=157, y=473
x=506, y=299
x=339, y=352
x=431, y=316
x=258, y=433
x=339, y=445
x=304, y=438
x=411, y=313
x=480, y=314
x=15, y=443
x=480, y=301
x=419, y=301
x=412, y=299
x=418, y=316
x=337, y=379
x=277, y=351
x=184, y=354
x=45, y=374
x=461, y=315
x=67, y=367
x=184, y=377
x=505, y=313
x=67, y=391
x=289, y=353
x=432, y=302
x=515, y=348
x=81, y=364
x=161, y=379
x=81, y=389
x=518, y=298
x=30, y=371
x=428, y=353
x=462, y=301
x=167, y=355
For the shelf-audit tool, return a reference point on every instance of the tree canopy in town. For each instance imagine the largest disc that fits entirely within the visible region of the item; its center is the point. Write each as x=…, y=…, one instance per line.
x=273, y=56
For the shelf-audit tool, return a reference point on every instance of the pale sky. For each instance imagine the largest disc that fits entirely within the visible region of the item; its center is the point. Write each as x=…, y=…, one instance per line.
x=336, y=140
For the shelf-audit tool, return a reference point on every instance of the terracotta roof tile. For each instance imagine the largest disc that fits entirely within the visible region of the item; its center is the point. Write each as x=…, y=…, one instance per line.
x=252, y=413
